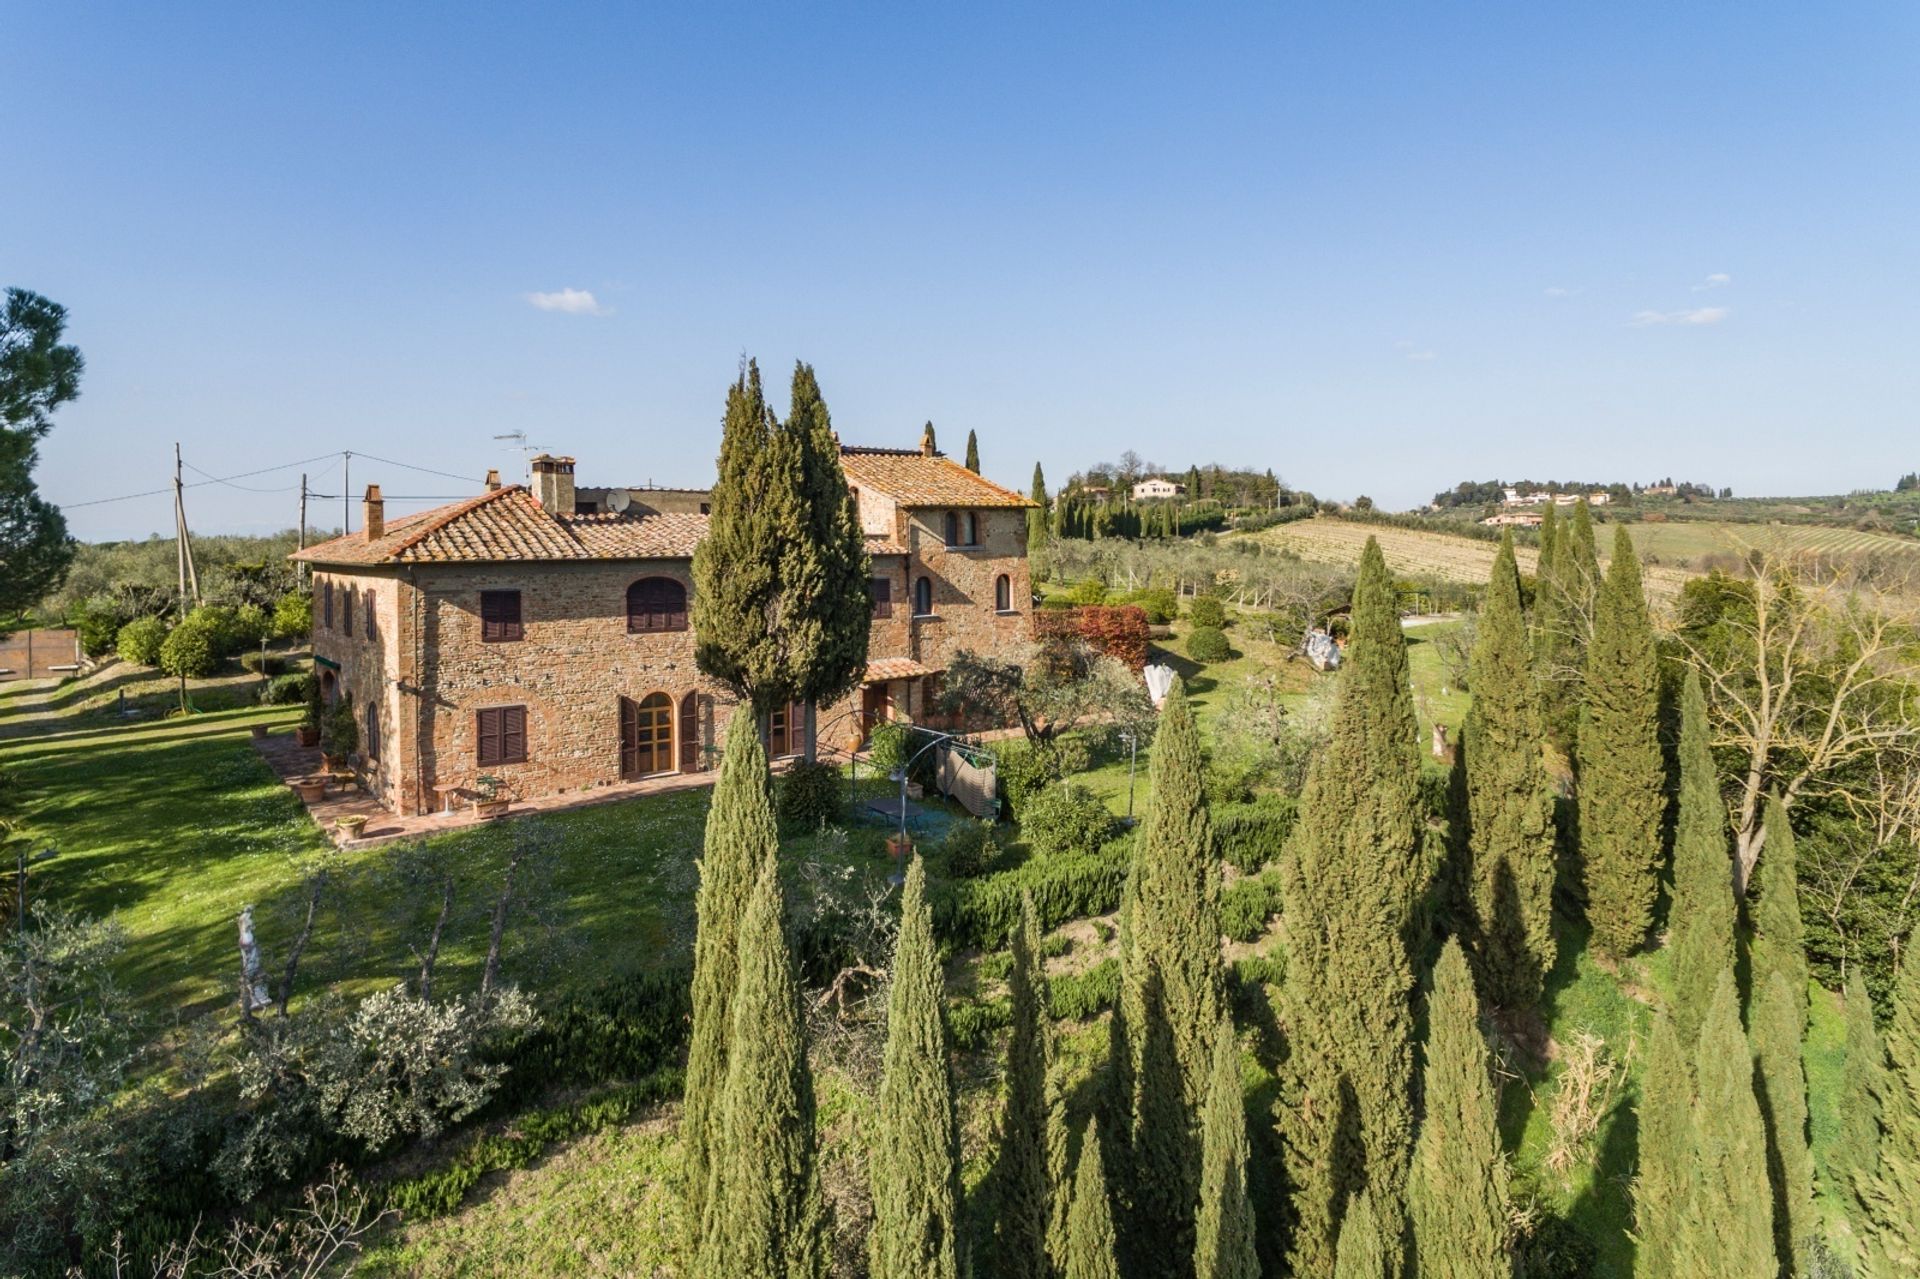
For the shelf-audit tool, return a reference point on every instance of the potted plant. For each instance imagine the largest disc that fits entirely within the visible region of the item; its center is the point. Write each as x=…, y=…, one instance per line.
x=339, y=735
x=352, y=825
x=490, y=801
x=311, y=790
x=899, y=846
x=308, y=733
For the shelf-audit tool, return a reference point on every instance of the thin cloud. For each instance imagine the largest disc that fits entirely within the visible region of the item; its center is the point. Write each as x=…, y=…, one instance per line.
x=569, y=302
x=1718, y=280
x=1559, y=291
x=1696, y=316
x=1414, y=352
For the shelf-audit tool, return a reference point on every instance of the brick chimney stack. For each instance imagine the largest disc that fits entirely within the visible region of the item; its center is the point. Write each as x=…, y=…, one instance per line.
x=493, y=478
x=553, y=483
x=926, y=441
x=375, y=514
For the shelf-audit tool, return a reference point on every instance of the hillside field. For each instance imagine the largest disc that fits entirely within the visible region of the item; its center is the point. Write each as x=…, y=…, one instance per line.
x=1686, y=544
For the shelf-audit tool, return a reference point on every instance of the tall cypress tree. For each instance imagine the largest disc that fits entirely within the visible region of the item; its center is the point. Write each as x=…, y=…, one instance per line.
x=1549, y=539
x=826, y=573
x=1856, y=1157
x=1779, y=1029
x=740, y=836
x=1781, y=944
x=916, y=1160
x=1225, y=1249
x=1457, y=1194
x=973, y=453
x=1172, y=985
x=764, y=1218
x=1666, y=1154
x=1354, y=870
x=1892, y=1194
x=1091, y=1252
x=1702, y=914
x=1038, y=524
x=1622, y=775
x=1510, y=821
x=1725, y=1227
x=1060, y=1171
x=1363, y=1251
x=1025, y=1190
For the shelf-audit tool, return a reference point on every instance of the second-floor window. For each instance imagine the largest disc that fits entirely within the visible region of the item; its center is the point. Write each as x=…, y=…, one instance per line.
x=656, y=604
x=973, y=528
x=326, y=605
x=500, y=617
x=953, y=528
x=882, y=597
x=346, y=611
x=1003, y=594
x=923, y=597
x=372, y=633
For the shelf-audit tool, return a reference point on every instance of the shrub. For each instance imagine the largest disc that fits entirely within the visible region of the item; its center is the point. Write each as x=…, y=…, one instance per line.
x=1208, y=610
x=97, y=621
x=1080, y=996
x=1159, y=604
x=1247, y=904
x=970, y=849
x=263, y=663
x=193, y=648
x=285, y=690
x=811, y=796
x=1208, y=644
x=983, y=912
x=1066, y=819
x=339, y=731
x=140, y=640
x=1056, y=602
x=293, y=616
x=887, y=745
x=1250, y=836
x=1024, y=770
x=246, y=627
x=1088, y=590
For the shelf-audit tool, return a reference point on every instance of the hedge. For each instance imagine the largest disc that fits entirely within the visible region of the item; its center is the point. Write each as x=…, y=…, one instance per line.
x=1073, y=997
x=1247, y=904
x=1249, y=836
x=982, y=912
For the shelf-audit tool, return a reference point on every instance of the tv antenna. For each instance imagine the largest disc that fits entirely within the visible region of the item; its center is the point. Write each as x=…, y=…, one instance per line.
x=519, y=441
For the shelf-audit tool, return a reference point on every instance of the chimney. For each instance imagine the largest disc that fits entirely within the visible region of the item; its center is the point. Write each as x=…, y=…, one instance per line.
x=553, y=483
x=493, y=479
x=926, y=442
x=375, y=515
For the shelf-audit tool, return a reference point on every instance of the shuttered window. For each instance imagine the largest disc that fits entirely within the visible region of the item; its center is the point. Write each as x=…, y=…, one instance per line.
x=502, y=736
x=372, y=632
x=371, y=746
x=882, y=597
x=346, y=610
x=656, y=604
x=326, y=606
x=499, y=616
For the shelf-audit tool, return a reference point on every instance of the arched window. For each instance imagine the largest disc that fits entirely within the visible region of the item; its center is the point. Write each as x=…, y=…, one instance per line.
x=346, y=612
x=923, y=597
x=973, y=528
x=1003, y=594
x=656, y=604
x=953, y=528
x=371, y=746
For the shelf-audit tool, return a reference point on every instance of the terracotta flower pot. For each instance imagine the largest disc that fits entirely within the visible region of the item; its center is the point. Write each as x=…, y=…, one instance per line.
x=259, y=730
x=488, y=809
x=352, y=827
x=311, y=790
x=899, y=846
x=307, y=736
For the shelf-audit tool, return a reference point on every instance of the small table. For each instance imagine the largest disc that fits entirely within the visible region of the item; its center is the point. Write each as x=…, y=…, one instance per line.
x=447, y=793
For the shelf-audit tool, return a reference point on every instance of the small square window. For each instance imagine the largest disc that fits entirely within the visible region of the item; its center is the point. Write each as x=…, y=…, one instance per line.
x=501, y=736
x=500, y=617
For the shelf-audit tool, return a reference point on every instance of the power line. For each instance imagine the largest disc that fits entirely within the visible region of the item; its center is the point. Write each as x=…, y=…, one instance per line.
x=426, y=470
x=211, y=479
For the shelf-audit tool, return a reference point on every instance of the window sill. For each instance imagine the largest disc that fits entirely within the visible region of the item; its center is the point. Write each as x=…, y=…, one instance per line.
x=1006, y=612
x=926, y=617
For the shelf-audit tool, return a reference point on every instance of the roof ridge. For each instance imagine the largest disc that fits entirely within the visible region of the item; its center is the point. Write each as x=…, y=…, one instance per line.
x=453, y=511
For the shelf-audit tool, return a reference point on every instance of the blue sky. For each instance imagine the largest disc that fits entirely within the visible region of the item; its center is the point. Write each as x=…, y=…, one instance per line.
x=1379, y=249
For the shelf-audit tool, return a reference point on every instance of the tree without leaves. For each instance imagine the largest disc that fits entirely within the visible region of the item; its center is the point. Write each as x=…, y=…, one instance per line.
x=38, y=373
x=740, y=836
x=1024, y=1190
x=1702, y=914
x=1725, y=1228
x=1622, y=773
x=916, y=1159
x=1224, y=1247
x=1171, y=984
x=763, y=1215
x=1510, y=821
x=1891, y=1195
x=1457, y=1193
x=1354, y=870
x=1779, y=1030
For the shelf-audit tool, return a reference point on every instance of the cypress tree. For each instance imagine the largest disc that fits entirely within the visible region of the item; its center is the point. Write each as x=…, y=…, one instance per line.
x=1090, y=1244
x=1892, y=1194
x=1363, y=1251
x=1666, y=1153
x=1549, y=538
x=1038, y=525
x=973, y=453
x=764, y=1218
x=1457, y=1194
x=1025, y=1188
x=1781, y=944
x=1856, y=1157
x=1779, y=1027
x=740, y=836
x=1171, y=984
x=1225, y=1249
x=825, y=574
x=916, y=1160
x=1622, y=774
x=1725, y=1227
x=1510, y=822
x=929, y=442
x=1354, y=870
x=1702, y=914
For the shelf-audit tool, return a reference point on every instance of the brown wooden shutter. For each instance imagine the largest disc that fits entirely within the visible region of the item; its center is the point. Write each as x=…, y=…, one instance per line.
x=882, y=597
x=629, y=737
x=513, y=734
x=499, y=616
x=690, y=733
x=487, y=738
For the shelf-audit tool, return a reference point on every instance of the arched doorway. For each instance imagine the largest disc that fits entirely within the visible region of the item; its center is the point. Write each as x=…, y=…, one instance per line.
x=646, y=736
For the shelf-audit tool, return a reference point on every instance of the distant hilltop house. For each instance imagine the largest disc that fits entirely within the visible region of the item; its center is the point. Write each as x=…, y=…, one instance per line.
x=1539, y=497
x=1514, y=497
x=1660, y=490
x=1519, y=519
x=1157, y=488
x=540, y=635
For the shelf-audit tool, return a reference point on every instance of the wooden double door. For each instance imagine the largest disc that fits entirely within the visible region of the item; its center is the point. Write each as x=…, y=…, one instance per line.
x=658, y=737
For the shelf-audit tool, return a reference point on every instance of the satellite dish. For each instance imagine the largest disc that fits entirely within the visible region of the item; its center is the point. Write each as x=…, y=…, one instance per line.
x=619, y=500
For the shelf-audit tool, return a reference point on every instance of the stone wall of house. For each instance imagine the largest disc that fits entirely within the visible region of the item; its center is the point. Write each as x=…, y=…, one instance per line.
x=963, y=577
x=365, y=666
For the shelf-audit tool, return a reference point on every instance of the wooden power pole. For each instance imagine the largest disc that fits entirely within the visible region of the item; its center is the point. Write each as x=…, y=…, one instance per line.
x=183, y=544
x=300, y=571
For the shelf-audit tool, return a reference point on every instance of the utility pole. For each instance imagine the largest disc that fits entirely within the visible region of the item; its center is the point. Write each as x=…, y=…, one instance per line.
x=346, y=494
x=300, y=571
x=183, y=544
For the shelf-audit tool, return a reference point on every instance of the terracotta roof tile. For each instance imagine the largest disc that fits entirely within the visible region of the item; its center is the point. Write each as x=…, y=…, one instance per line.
x=885, y=668
x=509, y=524
x=911, y=478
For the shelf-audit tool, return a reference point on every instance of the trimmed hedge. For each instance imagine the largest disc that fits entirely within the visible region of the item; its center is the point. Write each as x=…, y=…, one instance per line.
x=983, y=912
x=1247, y=904
x=1208, y=611
x=811, y=796
x=1250, y=836
x=1208, y=644
x=1074, y=997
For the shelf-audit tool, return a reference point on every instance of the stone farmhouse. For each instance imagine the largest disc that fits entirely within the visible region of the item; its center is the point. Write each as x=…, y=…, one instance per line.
x=1147, y=490
x=540, y=635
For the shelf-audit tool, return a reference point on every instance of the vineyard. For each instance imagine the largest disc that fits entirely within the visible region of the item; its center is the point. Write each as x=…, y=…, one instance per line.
x=1686, y=545
x=1416, y=553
